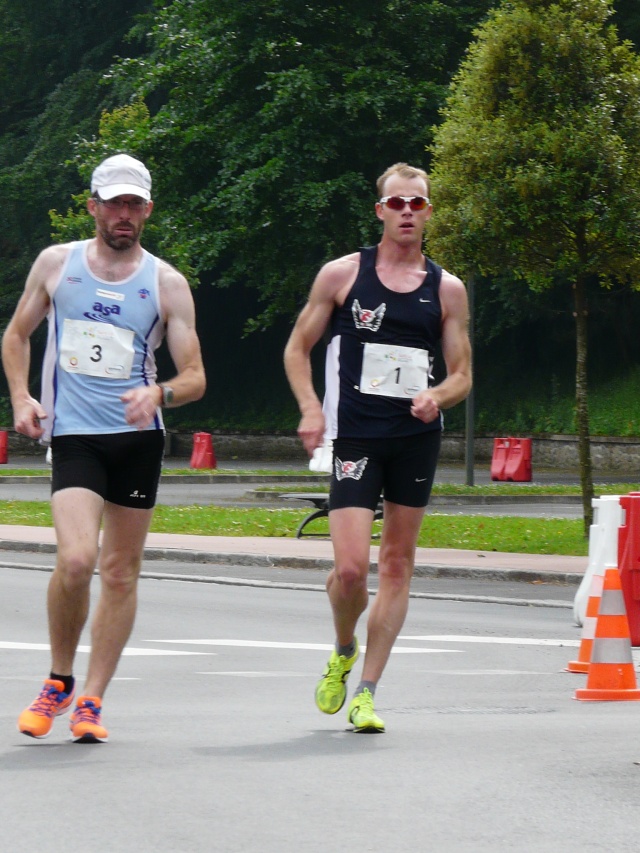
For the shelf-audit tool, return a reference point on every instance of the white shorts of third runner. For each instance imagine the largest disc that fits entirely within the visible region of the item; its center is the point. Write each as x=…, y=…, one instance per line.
x=401, y=470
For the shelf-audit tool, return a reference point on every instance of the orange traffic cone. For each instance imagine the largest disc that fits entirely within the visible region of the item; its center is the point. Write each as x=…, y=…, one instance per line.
x=611, y=676
x=588, y=627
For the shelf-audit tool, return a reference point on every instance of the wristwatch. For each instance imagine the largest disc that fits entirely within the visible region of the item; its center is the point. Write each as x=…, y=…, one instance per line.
x=167, y=395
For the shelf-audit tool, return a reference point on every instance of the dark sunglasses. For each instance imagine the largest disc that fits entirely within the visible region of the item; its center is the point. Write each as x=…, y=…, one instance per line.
x=397, y=202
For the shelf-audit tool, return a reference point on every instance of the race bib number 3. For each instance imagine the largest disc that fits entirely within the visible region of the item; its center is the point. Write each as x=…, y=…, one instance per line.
x=96, y=349
x=391, y=371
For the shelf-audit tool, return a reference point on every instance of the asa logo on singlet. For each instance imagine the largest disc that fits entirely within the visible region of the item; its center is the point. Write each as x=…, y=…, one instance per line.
x=352, y=470
x=101, y=312
x=368, y=318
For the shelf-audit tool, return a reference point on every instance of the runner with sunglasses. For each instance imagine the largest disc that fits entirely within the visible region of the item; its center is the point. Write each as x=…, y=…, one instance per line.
x=387, y=308
x=109, y=304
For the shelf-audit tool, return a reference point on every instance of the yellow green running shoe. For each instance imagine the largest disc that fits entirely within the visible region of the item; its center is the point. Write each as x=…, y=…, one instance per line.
x=331, y=691
x=362, y=715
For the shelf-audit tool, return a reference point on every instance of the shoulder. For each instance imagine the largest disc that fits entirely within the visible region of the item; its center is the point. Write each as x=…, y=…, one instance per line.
x=339, y=268
x=338, y=274
x=168, y=276
x=453, y=294
x=174, y=293
x=48, y=265
x=54, y=256
x=451, y=282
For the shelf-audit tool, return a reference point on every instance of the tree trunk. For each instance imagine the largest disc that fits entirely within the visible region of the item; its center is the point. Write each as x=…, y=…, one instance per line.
x=582, y=403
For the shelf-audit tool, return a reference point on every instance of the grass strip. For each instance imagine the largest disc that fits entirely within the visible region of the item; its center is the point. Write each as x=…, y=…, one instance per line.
x=439, y=530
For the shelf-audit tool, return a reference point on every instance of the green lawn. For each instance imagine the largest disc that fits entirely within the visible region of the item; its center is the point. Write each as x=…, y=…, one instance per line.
x=439, y=530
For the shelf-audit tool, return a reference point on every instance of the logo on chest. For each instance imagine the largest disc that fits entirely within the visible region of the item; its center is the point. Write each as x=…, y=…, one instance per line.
x=101, y=312
x=367, y=318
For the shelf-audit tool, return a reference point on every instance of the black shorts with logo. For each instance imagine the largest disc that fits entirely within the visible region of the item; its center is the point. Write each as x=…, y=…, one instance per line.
x=399, y=469
x=123, y=468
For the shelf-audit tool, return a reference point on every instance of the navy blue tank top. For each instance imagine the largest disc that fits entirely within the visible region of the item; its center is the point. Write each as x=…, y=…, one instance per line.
x=379, y=339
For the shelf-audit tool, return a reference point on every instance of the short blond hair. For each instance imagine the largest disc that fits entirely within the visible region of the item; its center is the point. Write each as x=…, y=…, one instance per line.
x=405, y=171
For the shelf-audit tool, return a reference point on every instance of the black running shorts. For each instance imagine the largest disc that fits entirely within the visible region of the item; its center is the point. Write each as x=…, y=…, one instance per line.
x=399, y=469
x=123, y=468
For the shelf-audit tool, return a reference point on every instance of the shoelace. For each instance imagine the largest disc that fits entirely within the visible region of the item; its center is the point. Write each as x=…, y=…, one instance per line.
x=87, y=713
x=365, y=703
x=47, y=701
x=336, y=669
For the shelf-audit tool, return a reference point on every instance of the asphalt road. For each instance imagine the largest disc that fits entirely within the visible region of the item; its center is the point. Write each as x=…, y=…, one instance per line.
x=216, y=745
x=174, y=493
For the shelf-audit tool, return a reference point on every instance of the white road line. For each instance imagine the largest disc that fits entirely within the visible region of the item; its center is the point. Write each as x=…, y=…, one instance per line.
x=268, y=644
x=129, y=651
x=509, y=641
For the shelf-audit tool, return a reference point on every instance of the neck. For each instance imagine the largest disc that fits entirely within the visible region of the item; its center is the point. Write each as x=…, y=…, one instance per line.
x=408, y=254
x=113, y=264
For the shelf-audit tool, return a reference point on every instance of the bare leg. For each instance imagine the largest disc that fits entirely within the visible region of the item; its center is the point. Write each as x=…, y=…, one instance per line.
x=76, y=515
x=125, y=531
x=347, y=581
x=395, y=568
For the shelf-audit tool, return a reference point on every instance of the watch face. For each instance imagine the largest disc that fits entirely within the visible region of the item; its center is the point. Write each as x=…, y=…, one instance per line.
x=167, y=395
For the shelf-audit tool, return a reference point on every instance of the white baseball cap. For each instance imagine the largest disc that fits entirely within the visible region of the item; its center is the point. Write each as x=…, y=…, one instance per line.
x=121, y=175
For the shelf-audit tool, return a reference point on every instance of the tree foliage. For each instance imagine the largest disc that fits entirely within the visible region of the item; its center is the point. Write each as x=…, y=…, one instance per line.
x=536, y=161
x=264, y=124
x=53, y=54
x=272, y=120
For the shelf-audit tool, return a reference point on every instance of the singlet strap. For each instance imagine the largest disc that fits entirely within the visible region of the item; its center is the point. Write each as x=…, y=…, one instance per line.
x=368, y=255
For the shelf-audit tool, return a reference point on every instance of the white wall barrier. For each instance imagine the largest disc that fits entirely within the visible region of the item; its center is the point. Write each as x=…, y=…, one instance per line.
x=603, y=548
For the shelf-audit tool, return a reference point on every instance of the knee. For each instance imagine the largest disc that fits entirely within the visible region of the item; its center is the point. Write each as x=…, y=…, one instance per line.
x=351, y=578
x=76, y=570
x=395, y=573
x=121, y=578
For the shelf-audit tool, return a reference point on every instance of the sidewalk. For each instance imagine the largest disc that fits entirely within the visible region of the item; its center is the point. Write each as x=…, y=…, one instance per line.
x=317, y=553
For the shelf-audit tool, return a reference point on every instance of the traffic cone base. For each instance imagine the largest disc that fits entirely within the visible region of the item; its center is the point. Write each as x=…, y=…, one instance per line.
x=611, y=676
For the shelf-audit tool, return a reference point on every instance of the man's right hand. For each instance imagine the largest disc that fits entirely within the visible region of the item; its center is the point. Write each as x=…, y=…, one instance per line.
x=27, y=416
x=311, y=431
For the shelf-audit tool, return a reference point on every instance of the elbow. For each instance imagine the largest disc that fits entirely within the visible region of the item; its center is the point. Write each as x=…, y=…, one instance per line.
x=195, y=389
x=201, y=387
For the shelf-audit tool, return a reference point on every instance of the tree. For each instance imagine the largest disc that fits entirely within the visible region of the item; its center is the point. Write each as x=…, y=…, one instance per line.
x=627, y=20
x=272, y=120
x=53, y=54
x=536, y=163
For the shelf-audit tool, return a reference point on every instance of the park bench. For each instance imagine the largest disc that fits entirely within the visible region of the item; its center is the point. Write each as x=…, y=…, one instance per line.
x=320, y=500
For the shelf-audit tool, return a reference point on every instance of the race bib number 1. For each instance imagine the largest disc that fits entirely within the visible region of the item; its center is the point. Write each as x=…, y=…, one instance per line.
x=391, y=371
x=96, y=349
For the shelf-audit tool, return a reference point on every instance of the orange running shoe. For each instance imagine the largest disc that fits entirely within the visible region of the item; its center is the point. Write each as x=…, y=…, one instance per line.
x=85, y=721
x=37, y=719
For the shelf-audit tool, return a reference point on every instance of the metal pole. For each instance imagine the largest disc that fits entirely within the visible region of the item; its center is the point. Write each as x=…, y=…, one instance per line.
x=469, y=404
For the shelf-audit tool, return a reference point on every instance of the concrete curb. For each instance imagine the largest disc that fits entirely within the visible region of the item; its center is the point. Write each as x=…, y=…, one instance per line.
x=424, y=570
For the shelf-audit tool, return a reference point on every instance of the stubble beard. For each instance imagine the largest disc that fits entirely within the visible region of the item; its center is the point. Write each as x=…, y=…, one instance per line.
x=121, y=242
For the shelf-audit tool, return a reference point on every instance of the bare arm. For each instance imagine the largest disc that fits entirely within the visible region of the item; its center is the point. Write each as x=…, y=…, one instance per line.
x=328, y=290
x=456, y=350
x=30, y=311
x=189, y=383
